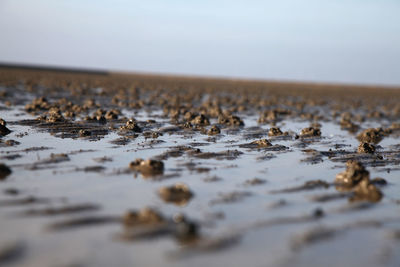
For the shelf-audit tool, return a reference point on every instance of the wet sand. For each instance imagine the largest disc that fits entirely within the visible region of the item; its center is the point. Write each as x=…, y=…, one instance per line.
x=107, y=169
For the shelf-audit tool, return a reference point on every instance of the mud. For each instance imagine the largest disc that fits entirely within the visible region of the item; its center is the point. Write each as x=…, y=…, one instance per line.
x=264, y=172
x=372, y=135
x=61, y=210
x=83, y=222
x=3, y=129
x=207, y=245
x=24, y=201
x=309, y=185
x=322, y=234
x=254, y=181
x=4, y=171
x=178, y=194
x=230, y=197
x=11, y=252
x=149, y=224
x=356, y=178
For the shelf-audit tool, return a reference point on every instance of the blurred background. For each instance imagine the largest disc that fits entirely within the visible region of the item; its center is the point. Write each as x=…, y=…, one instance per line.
x=342, y=41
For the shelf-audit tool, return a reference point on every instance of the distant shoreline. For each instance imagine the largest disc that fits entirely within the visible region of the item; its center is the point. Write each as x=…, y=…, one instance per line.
x=38, y=67
x=197, y=78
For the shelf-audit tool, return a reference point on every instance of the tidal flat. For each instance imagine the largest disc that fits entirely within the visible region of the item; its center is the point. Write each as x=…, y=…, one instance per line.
x=110, y=169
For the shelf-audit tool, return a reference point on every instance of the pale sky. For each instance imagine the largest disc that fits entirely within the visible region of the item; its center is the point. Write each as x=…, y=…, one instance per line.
x=344, y=41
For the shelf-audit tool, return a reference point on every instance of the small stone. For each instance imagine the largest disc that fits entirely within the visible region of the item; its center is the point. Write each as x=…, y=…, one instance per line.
x=83, y=133
x=262, y=143
x=310, y=131
x=201, y=120
x=214, y=130
x=366, y=148
x=187, y=125
x=275, y=131
x=235, y=121
x=132, y=126
x=112, y=114
x=101, y=119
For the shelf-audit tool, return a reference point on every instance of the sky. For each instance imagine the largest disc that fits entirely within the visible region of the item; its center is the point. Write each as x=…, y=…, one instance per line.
x=341, y=41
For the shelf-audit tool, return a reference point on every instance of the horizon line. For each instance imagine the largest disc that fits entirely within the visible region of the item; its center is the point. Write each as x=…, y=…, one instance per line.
x=103, y=71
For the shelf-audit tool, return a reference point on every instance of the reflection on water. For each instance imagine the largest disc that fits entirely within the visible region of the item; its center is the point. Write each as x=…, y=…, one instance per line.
x=267, y=204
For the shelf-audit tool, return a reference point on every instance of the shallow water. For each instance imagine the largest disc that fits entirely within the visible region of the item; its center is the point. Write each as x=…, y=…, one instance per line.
x=263, y=225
